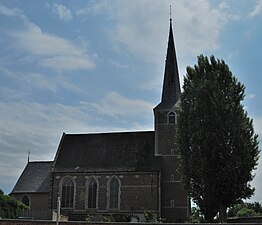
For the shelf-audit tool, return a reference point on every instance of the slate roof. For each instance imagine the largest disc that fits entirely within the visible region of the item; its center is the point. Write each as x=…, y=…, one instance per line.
x=125, y=151
x=35, y=178
x=171, y=86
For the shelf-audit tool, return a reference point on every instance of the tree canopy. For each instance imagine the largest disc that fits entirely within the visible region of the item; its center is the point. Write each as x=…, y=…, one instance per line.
x=216, y=141
x=245, y=209
x=9, y=207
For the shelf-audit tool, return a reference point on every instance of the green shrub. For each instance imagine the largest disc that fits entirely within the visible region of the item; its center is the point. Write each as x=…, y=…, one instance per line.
x=246, y=212
x=149, y=216
x=10, y=207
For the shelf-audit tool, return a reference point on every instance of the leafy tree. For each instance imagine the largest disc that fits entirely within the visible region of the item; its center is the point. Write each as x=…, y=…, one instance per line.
x=245, y=209
x=196, y=216
x=9, y=207
x=245, y=212
x=256, y=206
x=215, y=137
x=232, y=211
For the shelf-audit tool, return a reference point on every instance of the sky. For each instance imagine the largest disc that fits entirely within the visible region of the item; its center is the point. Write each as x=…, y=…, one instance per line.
x=84, y=66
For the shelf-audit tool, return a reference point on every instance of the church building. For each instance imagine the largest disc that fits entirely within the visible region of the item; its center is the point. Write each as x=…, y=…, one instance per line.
x=114, y=176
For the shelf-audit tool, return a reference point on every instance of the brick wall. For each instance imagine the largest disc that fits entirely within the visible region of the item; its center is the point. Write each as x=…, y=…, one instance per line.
x=37, y=201
x=35, y=222
x=175, y=206
x=138, y=193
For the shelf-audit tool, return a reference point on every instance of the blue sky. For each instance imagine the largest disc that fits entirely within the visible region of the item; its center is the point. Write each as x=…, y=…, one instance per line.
x=97, y=66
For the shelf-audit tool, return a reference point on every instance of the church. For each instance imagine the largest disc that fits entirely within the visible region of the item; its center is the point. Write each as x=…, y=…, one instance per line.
x=114, y=176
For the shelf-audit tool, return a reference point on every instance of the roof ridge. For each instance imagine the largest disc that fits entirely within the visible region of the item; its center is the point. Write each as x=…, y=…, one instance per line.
x=42, y=161
x=108, y=133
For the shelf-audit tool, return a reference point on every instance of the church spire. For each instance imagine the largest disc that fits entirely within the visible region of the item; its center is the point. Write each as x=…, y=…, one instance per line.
x=165, y=115
x=171, y=86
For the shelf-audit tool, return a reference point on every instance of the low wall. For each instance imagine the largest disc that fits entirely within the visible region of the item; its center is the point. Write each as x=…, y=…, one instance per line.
x=45, y=222
x=253, y=220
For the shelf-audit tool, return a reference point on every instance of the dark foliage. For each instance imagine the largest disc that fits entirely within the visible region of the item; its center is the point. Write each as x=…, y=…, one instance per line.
x=246, y=209
x=196, y=216
x=9, y=207
x=216, y=140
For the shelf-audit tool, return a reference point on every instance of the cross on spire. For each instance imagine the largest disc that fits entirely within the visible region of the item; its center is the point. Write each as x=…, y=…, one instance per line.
x=28, y=156
x=170, y=13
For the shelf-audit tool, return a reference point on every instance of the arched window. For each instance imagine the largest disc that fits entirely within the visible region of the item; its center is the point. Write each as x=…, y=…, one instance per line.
x=171, y=118
x=68, y=193
x=92, y=193
x=26, y=200
x=114, y=193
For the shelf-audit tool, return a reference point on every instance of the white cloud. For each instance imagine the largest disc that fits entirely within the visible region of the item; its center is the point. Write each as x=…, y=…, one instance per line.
x=94, y=9
x=69, y=62
x=116, y=105
x=16, y=12
x=47, y=49
x=38, y=81
x=140, y=26
x=26, y=83
x=54, y=52
x=10, y=12
x=40, y=43
x=257, y=10
x=118, y=65
x=63, y=12
x=225, y=6
x=251, y=95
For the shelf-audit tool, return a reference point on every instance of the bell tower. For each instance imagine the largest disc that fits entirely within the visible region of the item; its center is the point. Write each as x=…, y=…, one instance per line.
x=174, y=200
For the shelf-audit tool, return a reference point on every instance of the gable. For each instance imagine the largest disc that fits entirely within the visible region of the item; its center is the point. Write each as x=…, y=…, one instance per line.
x=126, y=151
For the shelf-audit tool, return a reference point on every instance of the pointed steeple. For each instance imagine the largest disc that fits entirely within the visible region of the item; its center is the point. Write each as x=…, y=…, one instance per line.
x=165, y=115
x=171, y=87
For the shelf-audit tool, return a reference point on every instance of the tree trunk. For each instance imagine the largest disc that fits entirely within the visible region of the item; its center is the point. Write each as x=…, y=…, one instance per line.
x=222, y=213
x=209, y=214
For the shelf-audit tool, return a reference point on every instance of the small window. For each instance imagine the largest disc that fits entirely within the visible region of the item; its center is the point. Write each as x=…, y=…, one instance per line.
x=172, y=151
x=171, y=118
x=68, y=193
x=26, y=200
x=92, y=193
x=114, y=193
x=172, y=203
x=172, y=177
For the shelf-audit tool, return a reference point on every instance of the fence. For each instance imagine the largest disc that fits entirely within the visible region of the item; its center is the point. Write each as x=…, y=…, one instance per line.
x=35, y=214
